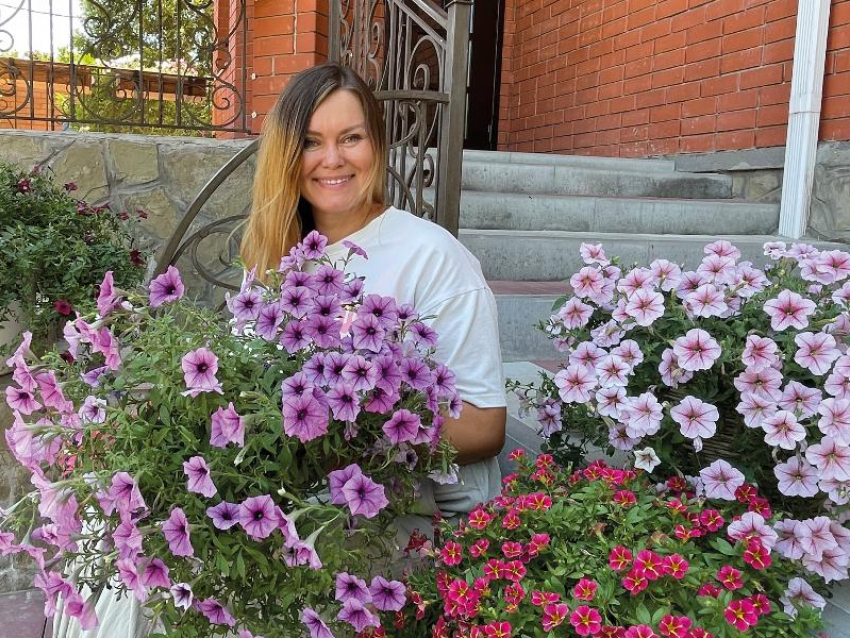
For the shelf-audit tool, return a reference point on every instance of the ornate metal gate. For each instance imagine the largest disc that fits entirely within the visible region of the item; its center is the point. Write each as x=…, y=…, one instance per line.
x=414, y=55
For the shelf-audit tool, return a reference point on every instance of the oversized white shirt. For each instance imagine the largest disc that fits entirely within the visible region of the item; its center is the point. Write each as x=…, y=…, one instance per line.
x=415, y=261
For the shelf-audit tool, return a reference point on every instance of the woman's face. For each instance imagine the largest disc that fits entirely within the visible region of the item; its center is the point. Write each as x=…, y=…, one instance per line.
x=338, y=156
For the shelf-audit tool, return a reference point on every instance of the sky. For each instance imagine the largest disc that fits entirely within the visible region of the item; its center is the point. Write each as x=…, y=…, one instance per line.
x=14, y=21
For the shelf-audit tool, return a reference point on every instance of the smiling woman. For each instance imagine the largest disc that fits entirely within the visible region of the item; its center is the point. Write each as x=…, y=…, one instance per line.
x=322, y=166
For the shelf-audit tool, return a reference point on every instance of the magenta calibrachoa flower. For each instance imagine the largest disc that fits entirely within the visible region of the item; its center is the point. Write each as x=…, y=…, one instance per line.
x=215, y=455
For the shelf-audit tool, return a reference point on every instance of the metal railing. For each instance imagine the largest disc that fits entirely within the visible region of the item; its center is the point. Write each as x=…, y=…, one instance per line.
x=146, y=65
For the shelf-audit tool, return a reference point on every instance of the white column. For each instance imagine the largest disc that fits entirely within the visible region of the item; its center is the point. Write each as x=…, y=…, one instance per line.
x=804, y=116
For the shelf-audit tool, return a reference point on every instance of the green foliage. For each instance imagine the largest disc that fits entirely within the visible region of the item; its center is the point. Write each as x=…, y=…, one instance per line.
x=54, y=249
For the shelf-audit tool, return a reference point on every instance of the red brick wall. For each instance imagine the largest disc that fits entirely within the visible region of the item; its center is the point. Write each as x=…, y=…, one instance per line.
x=649, y=77
x=284, y=37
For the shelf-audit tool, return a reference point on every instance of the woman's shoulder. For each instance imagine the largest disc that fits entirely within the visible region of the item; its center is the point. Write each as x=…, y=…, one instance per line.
x=420, y=234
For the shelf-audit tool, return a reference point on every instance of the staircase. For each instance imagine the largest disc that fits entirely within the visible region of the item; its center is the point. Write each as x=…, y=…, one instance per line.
x=525, y=215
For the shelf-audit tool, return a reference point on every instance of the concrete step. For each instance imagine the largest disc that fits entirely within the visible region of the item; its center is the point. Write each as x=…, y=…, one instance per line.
x=575, y=161
x=554, y=255
x=521, y=306
x=513, y=211
x=503, y=177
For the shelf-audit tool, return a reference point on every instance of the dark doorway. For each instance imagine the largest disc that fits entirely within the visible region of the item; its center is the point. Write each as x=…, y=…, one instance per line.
x=484, y=78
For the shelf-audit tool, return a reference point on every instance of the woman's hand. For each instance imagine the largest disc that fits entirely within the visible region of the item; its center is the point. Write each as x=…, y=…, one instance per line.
x=478, y=434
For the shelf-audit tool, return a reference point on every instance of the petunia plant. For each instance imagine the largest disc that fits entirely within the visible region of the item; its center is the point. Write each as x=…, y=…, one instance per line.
x=726, y=363
x=606, y=552
x=233, y=474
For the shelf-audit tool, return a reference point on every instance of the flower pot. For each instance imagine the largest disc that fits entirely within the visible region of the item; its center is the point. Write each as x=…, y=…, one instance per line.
x=11, y=330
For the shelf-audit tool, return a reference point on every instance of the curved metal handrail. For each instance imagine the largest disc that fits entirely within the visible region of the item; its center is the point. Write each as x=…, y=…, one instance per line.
x=175, y=246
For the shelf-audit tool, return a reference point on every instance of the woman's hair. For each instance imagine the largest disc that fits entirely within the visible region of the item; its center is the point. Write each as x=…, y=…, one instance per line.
x=280, y=217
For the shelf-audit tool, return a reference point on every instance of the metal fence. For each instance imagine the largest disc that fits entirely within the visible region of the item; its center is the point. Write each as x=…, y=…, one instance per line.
x=124, y=65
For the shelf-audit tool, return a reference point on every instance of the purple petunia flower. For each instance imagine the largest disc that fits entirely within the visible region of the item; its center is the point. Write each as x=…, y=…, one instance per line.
x=344, y=402
x=329, y=281
x=381, y=402
x=258, y=517
x=227, y=427
x=92, y=377
x=350, y=587
x=176, y=532
x=416, y=373
x=360, y=374
x=124, y=494
x=384, y=309
x=199, y=477
x=314, y=245
x=364, y=497
x=215, y=612
x=296, y=385
x=295, y=336
x=324, y=331
x=306, y=416
x=155, y=574
x=314, y=624
x=720, y=480
x=357, y=615
x=403, y=427
x=334, y=365
x=166, y=288
x=354, y=249
x=224, y=515
x=182, y=595
x=245, y=306
x=21, y=400
x=314, y=369
x=297, y=301
x=387, y=595
x=368, y=333
x=51, y=393
x=107, y=300
x=389, y=375
x=268, y=321
x=338, y=478
x=127, y=539
x=199, y=369
x=423, y=335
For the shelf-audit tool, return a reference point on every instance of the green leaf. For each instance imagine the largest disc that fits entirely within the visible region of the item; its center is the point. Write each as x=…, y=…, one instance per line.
x=643, y=615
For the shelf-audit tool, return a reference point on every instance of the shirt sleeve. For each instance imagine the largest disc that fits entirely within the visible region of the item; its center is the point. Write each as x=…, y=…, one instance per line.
x=468, y=332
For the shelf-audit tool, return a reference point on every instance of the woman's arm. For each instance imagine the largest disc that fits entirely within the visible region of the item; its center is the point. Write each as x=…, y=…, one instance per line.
x=478, y=434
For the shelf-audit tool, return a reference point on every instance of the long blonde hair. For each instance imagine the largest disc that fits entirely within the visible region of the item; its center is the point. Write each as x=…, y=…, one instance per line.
x=280, y=217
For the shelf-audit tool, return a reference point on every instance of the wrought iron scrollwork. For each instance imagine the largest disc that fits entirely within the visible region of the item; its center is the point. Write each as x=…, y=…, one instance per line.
x=142, y=65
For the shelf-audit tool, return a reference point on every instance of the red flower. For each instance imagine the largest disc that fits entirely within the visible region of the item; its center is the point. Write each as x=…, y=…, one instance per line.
x=677, y=506
x=730, y=577
x=746, y=492
x=544, y=460
x=537, y=501
x=635, y=581
x=512, y=549
x=586, y=621
x=761, y=604
x=553, y=615
x=136, y=258
x=625, y=498
x=24, y=186
x=479, y=547
x=674, y=626
x=649, y=563
x=608, y=631
x=499, y=629
x=709, y=590
x=513, y=571
x=585, y=589
x=619, y=558
x=541, y=598
x=756, y=555
x=479, y=519
x=517, y=454
x=538, y=543
x=70, y=187
x=63, y=307
x=640, y=631
x=711, y=520
x=741, y=614
x=675, y=566
x=760, y=506
x=699, y=632
x=511, y=520
x=493, y=569
x=451, y=554
x=677, y=484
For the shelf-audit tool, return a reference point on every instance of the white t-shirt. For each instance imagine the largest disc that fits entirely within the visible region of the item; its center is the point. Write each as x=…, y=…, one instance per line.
x=418, y=262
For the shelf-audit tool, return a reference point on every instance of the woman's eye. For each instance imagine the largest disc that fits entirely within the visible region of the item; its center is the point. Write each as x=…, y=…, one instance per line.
x=352, y=138
x=308, y=143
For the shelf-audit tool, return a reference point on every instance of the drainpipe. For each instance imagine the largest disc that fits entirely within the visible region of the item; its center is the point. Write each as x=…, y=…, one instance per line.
x=801, y=144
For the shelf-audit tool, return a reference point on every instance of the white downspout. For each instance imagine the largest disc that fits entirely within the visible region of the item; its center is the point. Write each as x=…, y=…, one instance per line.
x=804, y=116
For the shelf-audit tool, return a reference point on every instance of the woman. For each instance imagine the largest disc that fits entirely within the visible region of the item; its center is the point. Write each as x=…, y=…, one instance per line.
x=322, y=165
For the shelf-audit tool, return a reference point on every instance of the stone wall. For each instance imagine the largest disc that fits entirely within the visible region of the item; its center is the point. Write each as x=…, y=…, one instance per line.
x=757, y=176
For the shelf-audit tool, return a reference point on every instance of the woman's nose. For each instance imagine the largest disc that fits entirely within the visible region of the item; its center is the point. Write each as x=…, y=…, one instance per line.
x=332, y=156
